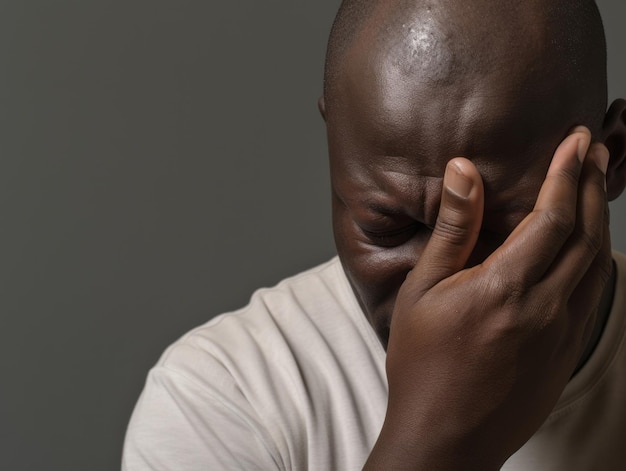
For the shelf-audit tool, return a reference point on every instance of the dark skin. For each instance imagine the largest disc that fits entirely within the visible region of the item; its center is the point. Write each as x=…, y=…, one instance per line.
x=487, y=277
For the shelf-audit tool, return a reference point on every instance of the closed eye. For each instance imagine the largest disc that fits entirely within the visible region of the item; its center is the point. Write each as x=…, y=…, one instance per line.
x=391, y=238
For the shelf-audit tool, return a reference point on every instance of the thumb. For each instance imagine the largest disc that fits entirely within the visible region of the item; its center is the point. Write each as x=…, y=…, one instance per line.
x=457, y=228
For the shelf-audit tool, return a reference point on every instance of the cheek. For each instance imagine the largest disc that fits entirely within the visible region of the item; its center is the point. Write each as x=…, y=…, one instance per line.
x=375, y=273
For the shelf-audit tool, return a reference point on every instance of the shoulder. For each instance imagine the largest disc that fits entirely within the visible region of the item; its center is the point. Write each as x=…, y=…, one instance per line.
x=313, y=308
x=259, y=376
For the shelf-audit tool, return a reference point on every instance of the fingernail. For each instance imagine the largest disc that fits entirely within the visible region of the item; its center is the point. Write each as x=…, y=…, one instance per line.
x=457, y=182
x=602, y=157
x=583, y=141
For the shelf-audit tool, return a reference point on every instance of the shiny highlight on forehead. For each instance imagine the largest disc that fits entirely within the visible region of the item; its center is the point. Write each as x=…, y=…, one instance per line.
x=445, y=41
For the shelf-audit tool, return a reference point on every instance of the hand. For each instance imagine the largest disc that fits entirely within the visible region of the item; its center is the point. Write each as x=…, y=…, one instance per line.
x=477, y=358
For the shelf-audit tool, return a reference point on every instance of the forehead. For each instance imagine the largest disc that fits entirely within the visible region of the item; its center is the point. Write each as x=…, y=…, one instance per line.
x=390, y=140
x=414, y=93
x=504, y=119
x=429, y=84
x=384, y=125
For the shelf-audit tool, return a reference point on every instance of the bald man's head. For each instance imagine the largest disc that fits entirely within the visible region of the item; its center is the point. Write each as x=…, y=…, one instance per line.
x=411, y=84
x=555, y=48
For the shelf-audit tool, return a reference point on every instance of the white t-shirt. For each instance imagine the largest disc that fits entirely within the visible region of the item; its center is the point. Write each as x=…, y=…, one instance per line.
x=296, y=380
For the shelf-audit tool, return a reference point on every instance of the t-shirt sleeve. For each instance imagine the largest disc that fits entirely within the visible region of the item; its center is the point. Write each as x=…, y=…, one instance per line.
x=179, y=424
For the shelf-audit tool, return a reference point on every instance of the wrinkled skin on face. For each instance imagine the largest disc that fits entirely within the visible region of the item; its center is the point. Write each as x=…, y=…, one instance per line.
x=403, y=108
x=386, y=197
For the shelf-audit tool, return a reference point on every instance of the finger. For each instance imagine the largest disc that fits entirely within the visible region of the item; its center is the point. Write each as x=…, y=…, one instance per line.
x=588, y=237
x=457, y=228
x=589, y=295
x=588, y=289
x=533, y=245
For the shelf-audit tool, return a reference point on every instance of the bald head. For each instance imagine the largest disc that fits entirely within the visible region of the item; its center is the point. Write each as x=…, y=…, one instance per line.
x=411, y=84
x=550, y=51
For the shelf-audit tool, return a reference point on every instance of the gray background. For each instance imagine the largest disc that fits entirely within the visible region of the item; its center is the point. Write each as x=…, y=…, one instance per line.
x=160, y=160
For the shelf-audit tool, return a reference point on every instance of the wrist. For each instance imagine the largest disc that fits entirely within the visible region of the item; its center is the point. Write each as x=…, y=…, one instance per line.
x=416, y=448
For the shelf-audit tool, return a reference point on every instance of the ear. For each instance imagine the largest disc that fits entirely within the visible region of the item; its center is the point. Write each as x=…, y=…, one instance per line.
x=614, y=137
x=321, y=105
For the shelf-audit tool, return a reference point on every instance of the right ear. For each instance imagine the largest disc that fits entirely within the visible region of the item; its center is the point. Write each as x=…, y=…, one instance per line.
x=614, y=137
x=321, y=105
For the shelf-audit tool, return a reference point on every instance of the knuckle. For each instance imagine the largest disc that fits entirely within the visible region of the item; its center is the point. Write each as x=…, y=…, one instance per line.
x=598, y=181
x=593, y=192
x=604, y=264
x=511, y=290
x=548, y=314
x=591, y=232
x=570, y=175
x=543, y=318
x=559, y=221
x=452, y=232
x=591, y=238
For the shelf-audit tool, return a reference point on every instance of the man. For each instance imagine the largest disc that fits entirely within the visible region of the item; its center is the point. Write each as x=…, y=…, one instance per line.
x=475, y=317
